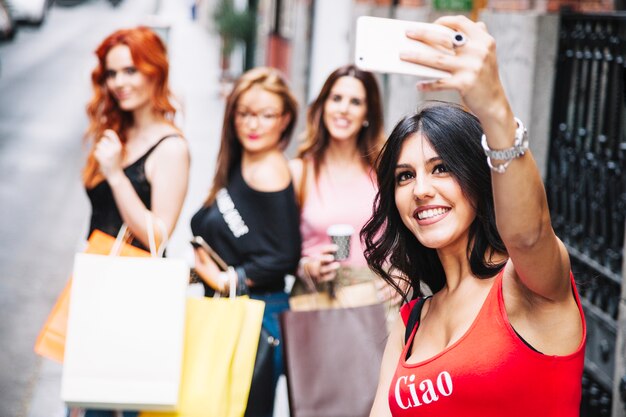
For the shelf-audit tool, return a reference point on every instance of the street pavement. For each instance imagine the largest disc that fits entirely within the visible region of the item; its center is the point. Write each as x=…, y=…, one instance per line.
x=30, y=385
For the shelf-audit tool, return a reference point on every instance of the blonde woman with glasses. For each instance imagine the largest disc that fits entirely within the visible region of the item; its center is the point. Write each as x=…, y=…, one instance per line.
x=250, y=217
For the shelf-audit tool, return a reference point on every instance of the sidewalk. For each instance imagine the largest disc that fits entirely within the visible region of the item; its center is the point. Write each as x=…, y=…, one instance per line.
x=194, y=77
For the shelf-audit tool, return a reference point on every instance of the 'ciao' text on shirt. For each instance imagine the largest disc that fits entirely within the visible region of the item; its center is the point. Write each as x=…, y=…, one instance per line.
x=231, y=215
x=428, y=393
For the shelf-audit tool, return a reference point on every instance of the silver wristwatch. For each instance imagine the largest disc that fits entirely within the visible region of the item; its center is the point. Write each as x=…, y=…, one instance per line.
x=519, y=148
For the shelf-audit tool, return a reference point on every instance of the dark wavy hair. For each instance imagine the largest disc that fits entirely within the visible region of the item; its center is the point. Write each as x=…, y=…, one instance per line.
x=392, y=251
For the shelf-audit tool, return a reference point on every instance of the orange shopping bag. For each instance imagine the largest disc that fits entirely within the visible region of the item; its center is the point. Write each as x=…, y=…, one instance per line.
x=51, y=340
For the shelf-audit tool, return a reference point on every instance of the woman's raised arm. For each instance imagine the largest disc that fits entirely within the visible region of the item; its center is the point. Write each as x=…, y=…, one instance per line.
x=540, y=260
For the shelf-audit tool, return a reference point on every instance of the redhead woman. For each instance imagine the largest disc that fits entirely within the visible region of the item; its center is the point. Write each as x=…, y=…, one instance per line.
x=139, y=160
x=334, y=175
x=138, y=164
x=461, y=208
x=250, y=217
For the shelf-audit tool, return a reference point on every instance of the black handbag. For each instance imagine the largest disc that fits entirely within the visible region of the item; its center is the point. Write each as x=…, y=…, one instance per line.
x=262, y=386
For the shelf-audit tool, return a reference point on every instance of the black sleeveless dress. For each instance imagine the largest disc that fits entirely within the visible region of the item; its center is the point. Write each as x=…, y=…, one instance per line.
x=105, y=215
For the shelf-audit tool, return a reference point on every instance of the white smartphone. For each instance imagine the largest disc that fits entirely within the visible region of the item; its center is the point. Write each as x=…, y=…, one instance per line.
x=379, y=42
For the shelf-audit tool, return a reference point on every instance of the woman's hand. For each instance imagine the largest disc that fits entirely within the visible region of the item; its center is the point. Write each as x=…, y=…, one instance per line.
x=108, y=153
x=386, y=293
x=208, y=270
x=472, y=65
x=322, y=267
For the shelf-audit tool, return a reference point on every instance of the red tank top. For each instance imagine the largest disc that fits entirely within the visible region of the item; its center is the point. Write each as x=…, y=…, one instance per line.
x=489, y=372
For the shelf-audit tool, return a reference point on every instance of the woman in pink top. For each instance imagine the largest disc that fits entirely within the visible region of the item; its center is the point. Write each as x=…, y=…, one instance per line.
x=333, y=172
x=462, y=208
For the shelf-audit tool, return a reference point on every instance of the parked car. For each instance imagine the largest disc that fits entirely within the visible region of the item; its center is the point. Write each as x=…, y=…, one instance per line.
x=7, y=24
x=29, y=11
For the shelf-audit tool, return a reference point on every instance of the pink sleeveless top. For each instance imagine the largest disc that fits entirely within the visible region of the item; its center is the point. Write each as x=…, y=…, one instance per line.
x=489, y=372
x=329, y=201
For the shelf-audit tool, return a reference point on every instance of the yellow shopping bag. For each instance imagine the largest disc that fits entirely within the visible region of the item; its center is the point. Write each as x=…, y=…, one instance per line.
x=221, y=340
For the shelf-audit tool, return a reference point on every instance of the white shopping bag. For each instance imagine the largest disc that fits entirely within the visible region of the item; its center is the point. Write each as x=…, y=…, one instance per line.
x=125, y=333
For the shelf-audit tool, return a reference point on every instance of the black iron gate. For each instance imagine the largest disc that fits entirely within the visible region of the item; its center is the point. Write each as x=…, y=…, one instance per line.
x=586, y=182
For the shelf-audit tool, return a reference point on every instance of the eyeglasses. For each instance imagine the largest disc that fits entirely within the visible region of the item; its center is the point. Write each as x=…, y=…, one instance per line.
x=266, y=118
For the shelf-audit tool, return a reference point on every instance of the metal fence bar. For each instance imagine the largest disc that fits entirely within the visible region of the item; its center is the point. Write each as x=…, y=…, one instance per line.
x=586, y=182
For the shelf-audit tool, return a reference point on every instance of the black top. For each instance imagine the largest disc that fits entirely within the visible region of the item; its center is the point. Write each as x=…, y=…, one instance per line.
x=105, y=215
x=256, y=230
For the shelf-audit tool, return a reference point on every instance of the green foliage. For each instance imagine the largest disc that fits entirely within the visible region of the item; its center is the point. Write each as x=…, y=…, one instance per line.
x=456, y=5
x=232, y=25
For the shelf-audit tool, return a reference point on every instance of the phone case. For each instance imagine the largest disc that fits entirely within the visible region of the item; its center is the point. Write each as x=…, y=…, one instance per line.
x=379, y=42
x=198, y=242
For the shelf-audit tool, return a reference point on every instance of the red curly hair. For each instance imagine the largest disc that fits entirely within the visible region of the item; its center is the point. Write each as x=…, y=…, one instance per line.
x=150, y=58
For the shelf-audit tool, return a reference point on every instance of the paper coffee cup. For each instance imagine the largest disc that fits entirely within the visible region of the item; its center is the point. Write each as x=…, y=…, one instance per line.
x=340, y=235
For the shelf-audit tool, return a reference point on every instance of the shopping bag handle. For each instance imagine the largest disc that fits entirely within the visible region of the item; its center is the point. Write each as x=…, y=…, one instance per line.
x=232, y=284
x=154, y=251
x=122, y=237
x=124, y=234
x=312, y=287
x=232, y=278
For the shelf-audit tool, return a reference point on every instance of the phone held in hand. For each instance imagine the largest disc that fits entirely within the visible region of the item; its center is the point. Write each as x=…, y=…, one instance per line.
x=379, y=42
x=199, y=243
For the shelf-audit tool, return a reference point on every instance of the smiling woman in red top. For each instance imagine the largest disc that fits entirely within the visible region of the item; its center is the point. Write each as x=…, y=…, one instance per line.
x=504, y=333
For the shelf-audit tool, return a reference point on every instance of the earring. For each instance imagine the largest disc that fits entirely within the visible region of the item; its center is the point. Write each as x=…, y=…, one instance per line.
x=366, y=123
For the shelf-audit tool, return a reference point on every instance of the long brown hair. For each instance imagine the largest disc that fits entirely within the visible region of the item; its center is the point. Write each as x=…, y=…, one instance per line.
x=150, y=58
x=271, y=80
x=370, y=139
